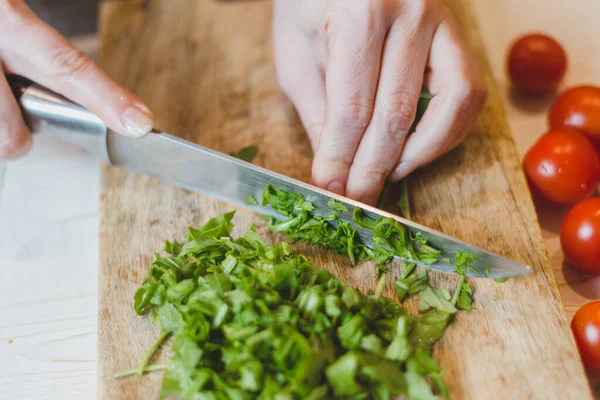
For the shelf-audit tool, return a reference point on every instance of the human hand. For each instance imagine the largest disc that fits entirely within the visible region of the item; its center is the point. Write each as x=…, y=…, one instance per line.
x=354, y=69
x=31, y=48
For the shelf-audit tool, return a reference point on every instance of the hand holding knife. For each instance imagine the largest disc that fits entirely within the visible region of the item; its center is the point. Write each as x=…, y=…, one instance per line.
x=166, y=157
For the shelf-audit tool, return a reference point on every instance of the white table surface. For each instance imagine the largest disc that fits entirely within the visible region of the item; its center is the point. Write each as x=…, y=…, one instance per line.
x=49, y=219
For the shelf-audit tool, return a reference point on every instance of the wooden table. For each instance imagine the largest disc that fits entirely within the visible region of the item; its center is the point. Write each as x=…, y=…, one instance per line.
x=48, y=331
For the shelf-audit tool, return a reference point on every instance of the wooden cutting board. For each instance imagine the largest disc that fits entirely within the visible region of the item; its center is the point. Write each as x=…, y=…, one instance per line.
x=206, y=68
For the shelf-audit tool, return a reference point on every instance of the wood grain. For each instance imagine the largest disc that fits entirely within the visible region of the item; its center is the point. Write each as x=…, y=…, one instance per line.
x=206, y=68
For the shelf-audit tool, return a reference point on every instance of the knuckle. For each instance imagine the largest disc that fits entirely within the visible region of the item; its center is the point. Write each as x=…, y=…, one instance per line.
x=374, y=174
x=397, y=118
x=327, y=169
x=366, y=9
x=67, y=62
x=354, y=115
x=333, y=163
x=363, y=15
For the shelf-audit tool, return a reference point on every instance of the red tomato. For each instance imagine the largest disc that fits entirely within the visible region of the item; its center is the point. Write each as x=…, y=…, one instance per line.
x=586, y=329
x=580, y=236
x=562, y=167
x=536, y=64
x=578, y=109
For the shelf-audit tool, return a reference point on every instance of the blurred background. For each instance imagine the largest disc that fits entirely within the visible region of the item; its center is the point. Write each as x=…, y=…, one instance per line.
x=69, y=17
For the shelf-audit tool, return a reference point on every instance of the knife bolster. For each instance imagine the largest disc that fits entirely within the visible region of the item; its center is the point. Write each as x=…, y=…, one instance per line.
x=49, y=113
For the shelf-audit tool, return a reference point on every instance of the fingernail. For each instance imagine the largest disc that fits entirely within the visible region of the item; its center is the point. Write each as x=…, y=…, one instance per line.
x=405, y=168
x=336, y=187
x=138, y=122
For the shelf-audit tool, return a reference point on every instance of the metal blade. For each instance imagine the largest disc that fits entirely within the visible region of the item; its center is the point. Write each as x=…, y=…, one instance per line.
x=198, y=169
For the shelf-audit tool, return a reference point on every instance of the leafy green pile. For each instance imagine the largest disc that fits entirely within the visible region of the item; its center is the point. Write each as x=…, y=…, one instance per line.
x=391, y=239
x=251, y=320
x=247, y=153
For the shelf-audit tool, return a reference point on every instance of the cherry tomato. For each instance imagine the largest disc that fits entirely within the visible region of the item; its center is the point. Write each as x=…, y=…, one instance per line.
x=578, y=109
x=536, y=64
x=580, y=236
x=562, y=167
x=586, y=329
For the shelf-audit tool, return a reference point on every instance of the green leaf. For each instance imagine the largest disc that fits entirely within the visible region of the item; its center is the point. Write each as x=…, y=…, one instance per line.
x=143, y=296
x=180, y=290
x=400, y=348
x=172, y=248
x=410, y=283
x=465, y=297
x=215, y=228
x=404, y=200
x=251, y=375
x=424, y=99
x=435, y=298
x=247, y=153
x=169, y=318
x=418, y=388
x=362, y=219
x=351, y=333
x=383, y=373
x=251, y=200
x=463, y=262
x=342, y=375
x=429, y=329
x=336, y=206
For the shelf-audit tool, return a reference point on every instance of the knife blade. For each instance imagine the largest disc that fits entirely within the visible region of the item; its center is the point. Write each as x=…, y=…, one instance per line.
x=198, y=169
x=202, y=170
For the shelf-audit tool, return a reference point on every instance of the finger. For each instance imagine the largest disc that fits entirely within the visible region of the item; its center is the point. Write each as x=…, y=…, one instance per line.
x=403, y=65
x=15, y=139
x=301, y=79
x=48, y=58
x=459, y=93
x=355, y=42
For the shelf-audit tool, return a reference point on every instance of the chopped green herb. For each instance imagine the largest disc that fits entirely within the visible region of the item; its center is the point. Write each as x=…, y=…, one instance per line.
x=410, y=284
x=435, y=298
x=253, y=320
x=391, y=239
x=465, y=297
x=247, y=153
x=336, y=206
x=136, y=371
x=424, y=99
x=404, y=201
x=501, y=280
x=251, y=201
x=463, y=261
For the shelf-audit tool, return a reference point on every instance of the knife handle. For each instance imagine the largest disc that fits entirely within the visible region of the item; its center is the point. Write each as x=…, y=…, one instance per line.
x=47, y=112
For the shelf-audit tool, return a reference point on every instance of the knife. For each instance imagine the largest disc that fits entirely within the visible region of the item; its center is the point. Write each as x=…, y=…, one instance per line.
x=202, y=170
